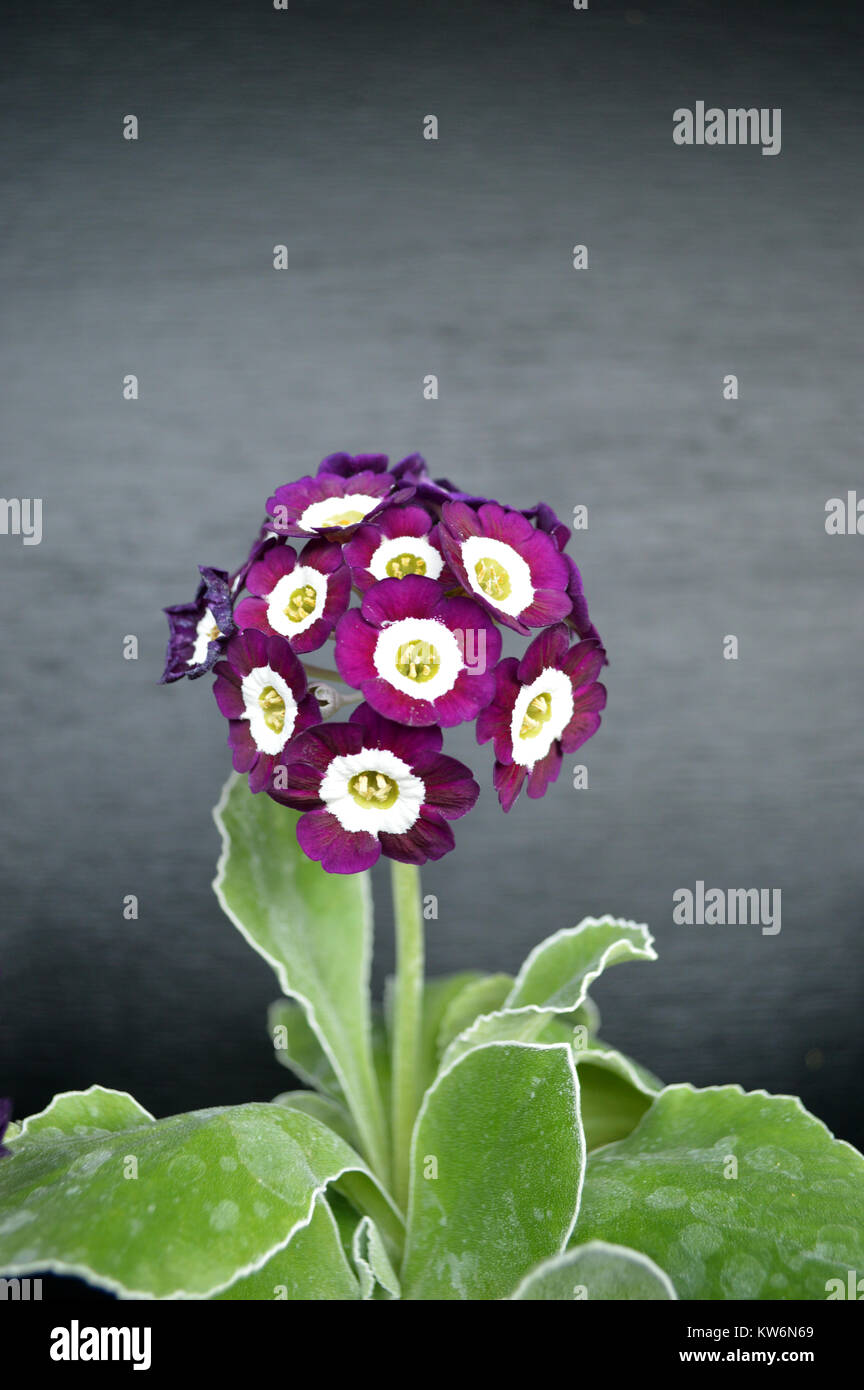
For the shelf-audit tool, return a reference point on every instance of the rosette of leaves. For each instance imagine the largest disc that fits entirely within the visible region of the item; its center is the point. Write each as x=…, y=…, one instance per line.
x=542, y=1163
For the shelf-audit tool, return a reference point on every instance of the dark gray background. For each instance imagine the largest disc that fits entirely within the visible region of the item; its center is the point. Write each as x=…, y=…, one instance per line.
x=601, y=387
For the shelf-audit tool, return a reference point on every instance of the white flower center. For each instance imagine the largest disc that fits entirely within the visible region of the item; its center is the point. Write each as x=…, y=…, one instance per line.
x=372, y=790
x=337, y=511
x=542, y=712
x=297, y=601
x=270, y=708
x=401, y=555
x=419, y=656
x=498, y=573
x=206, y=632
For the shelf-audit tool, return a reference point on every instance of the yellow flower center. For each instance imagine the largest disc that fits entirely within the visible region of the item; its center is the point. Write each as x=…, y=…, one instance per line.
x=400, y=565
x=301, y=604
x=273, y=708
x=492, y=578
x=418, y=661
x=537, y=714
x=213, y=633
x=374, y=790
x=344, y=519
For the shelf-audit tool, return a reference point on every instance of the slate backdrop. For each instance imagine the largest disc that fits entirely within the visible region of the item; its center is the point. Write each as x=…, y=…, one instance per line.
x=600, y=387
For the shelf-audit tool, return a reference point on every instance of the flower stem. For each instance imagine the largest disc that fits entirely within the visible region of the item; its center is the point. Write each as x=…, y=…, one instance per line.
x=407, y=1019
x=322, y=673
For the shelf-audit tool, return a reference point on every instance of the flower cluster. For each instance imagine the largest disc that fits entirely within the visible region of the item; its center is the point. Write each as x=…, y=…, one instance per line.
x=435, y=575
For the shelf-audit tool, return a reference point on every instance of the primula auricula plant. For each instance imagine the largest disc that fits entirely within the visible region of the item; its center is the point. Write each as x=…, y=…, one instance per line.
x=473, y=1138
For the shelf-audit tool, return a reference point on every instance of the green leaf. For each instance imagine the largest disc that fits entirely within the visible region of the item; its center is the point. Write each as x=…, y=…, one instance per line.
x=328, y=1111
x=615, y=1092
x=377, y=1276
x=480, y=996
x=595, y=1272
x=175, y=1208
x=298, y=1048
x=437, y=997
x=315, y=930
x=737, y=1195
x=311, y=1267
x=496, y=1168
x=559, y=971
x=76, y=1114
x=555, y=979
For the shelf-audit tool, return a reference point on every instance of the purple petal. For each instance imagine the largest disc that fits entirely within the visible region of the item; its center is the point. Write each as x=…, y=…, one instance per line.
x=507, y=780
x=413, y=745
x=430, y=837
x=347, y=465
x=227, y=693
x=355, y=648
x=393, y=704
x=390, y=600
x=547, y=606
x=547, y=649
x=581, y=727
x=338, y=851
x=583, y=663
x=252, y=612
x=450, y=788
x=469, y=696
x=265, y=574
x=299, y=783
x=544, y=772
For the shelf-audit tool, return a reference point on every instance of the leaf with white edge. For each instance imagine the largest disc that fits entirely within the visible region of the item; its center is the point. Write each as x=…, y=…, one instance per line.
x=737, y=1195
x=311, y=1267
x=376, y=1274
x=79, y=1114
x=174, y=1208
x=481, y=996
x=328, y=1111
x=496, y=1169
x=555, y=980
x=297, y=1047
x=315, y=930
x=560, y=970
x=594, y=1272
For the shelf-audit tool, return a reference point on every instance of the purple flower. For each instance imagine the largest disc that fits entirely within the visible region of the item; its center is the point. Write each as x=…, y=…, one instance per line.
x=548, y=521
x=261, y=689
x=6, y=1116
x=401, y=541
x=300, y=601
x=265, y=538
x=578, y=617
x=332, y=506
x=515, y=571
x=370, y=787
x=417, y=656
x=432, y=492
x=198, y=630
x=348, y=465
x=545, y=705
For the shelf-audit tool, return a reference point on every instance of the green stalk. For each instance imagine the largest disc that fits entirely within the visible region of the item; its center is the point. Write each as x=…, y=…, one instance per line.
x=407, y=1019
x=322, y=673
